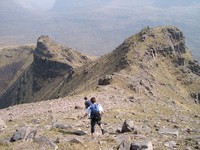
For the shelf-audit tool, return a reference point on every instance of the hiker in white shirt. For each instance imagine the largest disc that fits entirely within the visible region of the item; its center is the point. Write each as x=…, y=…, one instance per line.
x=95, y=111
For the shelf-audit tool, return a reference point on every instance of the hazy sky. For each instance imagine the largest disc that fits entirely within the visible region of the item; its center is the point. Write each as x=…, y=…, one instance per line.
x=88, y=24
x=37, y=4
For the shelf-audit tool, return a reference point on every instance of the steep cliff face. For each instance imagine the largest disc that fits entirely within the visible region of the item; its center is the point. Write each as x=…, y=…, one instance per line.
x=13, y=61
x=51, y=63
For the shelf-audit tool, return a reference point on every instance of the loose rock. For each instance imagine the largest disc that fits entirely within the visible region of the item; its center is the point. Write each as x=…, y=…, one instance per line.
x=124, y=145
x=128, y=126
x=2, y=125
x=171, y=144
x=142, y=145
x=79, y=133
x=77, y=141
x=44, y=141
x=105, y=80
x=168, y=131
x=62, y=126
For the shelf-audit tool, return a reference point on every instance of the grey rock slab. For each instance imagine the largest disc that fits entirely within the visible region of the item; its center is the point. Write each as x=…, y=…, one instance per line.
x=142, y=145
x=110, y=148
x=124, y=145
x=188, y=148
x=45, y=141
x=168, y=131
x=77, y=141
x=170, y=144
x=62, y=126
x=198, y=141
x=24, y=133
x=121, y=138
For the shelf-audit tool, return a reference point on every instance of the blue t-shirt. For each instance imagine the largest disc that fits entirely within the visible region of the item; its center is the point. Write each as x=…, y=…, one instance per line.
x=87, y=104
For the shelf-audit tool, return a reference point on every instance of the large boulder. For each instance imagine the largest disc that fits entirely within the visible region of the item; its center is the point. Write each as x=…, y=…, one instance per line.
x=24, y=133
x=128, y=126
x=142, y=145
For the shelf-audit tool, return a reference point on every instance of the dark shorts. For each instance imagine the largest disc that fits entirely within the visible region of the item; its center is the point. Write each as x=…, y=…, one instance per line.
x=93, y=123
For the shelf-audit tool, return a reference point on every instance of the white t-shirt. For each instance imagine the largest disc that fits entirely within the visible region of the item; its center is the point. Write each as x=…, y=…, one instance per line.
x=88, y=110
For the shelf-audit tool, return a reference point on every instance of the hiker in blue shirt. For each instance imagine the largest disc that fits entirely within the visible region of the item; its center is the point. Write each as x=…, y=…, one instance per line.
x=94, y=111
x=87, y=102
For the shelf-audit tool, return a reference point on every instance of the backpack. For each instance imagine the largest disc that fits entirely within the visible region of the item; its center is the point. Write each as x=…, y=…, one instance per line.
x=95, y=114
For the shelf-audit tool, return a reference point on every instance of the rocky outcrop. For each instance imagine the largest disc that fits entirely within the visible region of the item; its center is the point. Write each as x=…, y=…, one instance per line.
x=48, y=49
x=43, y=78
x=195, y=67
x=105, y=80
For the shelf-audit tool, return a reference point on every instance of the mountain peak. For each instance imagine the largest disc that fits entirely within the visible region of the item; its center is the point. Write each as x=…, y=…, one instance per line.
x=50, y=50
x=46, y=47
x=151, y=43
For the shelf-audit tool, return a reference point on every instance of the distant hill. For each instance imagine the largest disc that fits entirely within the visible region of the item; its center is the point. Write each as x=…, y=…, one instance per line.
x=96, y=27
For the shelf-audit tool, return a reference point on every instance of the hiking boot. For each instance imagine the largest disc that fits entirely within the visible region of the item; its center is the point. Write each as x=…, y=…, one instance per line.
x=103, y=131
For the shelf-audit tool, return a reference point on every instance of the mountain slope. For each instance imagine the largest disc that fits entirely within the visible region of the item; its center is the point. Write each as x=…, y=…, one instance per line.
x=156, y=57
x=148, y=53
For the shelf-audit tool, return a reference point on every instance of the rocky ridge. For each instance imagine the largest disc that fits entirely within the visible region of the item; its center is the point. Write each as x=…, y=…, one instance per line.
x=148, y=53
